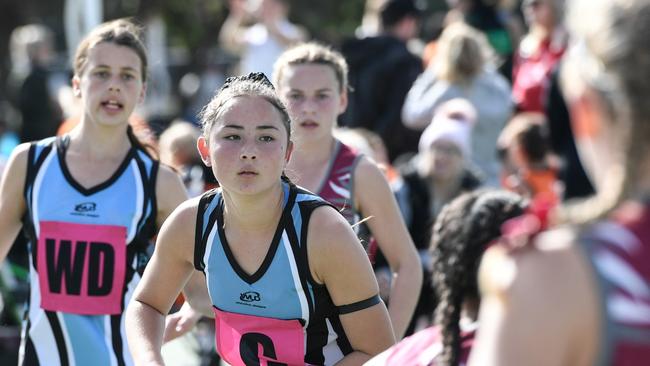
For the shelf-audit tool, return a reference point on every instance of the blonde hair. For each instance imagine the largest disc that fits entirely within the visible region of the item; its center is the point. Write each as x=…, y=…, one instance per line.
x=462, y=53
x=313, y=53
x=613, y=58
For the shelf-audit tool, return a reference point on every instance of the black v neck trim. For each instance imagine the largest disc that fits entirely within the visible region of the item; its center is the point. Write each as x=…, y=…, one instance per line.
x=270, y=254
x=62, y=144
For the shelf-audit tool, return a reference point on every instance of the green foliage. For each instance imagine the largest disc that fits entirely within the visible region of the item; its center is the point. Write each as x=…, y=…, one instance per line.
x=328, y=21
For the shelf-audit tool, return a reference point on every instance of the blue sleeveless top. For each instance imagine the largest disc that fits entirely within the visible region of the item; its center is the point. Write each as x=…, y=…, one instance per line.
x=280, y=307
x=87, y=251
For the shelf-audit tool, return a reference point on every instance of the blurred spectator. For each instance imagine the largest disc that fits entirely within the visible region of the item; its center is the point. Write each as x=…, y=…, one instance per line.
x=571, y=173
x=259, y=44
x=538, y=53
x=371, y=20
x=500, y=27
x=437, y=174
x=462, y=69
x=528, y=166
x=8, y=140
x=382, y=70
x=32, y=47
x=432, y=29
x=178, y=149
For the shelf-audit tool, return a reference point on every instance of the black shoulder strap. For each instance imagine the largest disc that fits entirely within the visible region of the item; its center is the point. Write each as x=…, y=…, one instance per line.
x=35, y=160
x=200, y=237
x=149, y=177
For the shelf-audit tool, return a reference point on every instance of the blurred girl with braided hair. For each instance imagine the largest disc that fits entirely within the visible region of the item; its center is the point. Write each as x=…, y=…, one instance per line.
x=278, y=287
x=463, y=230
x=580, y=294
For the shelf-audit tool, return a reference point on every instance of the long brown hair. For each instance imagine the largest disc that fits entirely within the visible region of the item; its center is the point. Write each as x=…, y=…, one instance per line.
x=122, y=32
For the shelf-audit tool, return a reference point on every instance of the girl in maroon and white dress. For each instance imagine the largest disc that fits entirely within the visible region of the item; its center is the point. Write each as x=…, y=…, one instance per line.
x=312, y=81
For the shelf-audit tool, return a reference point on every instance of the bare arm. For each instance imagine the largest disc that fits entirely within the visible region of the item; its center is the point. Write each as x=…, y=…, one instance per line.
x=538, y=307
x=166, y=274
x=12, y=201
x=425, y=95
x=286, y=38
x=170, y=192
x=338, y=260
x=376, y=200
x=231, y=35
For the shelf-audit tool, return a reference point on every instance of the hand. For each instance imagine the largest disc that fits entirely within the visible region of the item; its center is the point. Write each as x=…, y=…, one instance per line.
x=181, y=322
x=238, y=8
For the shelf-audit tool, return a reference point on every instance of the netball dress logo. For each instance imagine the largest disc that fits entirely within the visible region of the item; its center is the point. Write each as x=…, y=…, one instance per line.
x=85, y=209
x=250, y=296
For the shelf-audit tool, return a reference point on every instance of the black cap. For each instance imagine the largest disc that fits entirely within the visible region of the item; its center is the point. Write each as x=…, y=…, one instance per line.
x=392, y=11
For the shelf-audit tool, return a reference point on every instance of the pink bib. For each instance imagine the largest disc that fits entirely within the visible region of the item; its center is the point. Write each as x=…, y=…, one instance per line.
x=81, y=267
x=253, y=340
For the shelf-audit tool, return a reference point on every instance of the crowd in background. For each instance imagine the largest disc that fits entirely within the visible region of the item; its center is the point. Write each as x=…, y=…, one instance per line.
x=475, y=106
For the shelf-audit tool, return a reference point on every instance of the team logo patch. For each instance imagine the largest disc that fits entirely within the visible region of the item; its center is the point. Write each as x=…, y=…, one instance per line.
x=250, y=296
x=85, y=209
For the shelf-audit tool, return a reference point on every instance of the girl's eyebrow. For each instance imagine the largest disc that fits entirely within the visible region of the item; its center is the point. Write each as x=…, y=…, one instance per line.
x=317, y=90
x=125, y=68
x=260, y=127
x=266, y=127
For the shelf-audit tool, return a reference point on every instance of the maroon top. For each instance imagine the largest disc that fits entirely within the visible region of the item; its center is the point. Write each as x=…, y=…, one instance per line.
x=421, y=349
x=338, y=189
x=619, y=251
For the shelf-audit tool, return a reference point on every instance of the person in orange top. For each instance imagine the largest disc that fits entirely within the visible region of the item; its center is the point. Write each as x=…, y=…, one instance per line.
x=528, y=166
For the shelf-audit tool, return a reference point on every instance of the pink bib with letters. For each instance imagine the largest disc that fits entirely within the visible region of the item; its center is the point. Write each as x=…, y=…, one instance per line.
x=81, y=267
x=253, y=340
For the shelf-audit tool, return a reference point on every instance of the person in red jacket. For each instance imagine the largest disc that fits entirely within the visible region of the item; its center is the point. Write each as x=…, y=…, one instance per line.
x=538, y=53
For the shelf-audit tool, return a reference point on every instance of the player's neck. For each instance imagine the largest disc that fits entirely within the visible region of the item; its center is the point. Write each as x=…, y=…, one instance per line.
x=99, y=141
x=254, y=212
x=313, y=153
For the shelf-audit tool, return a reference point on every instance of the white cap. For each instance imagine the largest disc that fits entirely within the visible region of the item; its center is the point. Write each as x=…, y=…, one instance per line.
x=453, y=121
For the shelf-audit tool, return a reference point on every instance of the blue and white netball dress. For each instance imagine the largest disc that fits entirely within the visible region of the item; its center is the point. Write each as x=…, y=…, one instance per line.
x=279, y=315
x=87, y=251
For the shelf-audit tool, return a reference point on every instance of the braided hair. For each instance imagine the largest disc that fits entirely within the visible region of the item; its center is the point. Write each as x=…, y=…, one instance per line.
x=461, y=234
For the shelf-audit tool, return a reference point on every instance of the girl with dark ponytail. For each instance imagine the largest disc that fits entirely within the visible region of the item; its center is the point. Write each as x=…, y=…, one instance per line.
x=463, y=230
x=283, y=274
